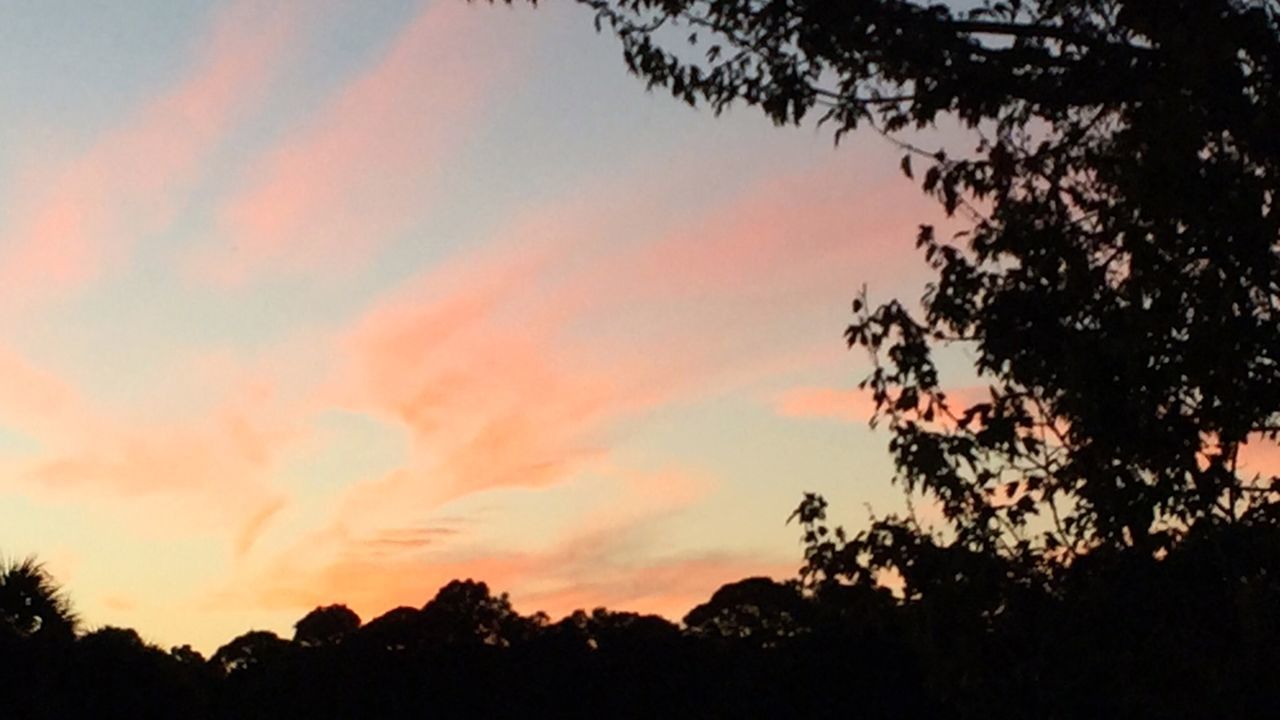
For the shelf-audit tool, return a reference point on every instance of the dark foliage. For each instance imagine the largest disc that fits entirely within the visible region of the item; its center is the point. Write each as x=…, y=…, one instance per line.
x=760, y=648
x=328, y=625
x=32, y=605
x=1139, y=638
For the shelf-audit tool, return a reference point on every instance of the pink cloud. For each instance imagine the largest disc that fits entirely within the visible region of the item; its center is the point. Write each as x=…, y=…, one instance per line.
x=487, y=404
x=715, y=292
x=816, y=402
x=858, y=405
x=789, y=233
x=355, y=176
x=472, y=359
x=506, y=367
x=169, y=474
x=34, y=400
x=212, y=468
x=132, y=180
x=512, y=368
x=494, y=361
x=785, y=237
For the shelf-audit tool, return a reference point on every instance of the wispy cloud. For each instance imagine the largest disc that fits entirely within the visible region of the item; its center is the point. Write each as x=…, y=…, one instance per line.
x=35, y=400
x=74, y=221
x=361, y=170
x=819, y=402
x=253, y=527
x=511, y=367
x=206, y=470
x=602, y=557
x=515, y=383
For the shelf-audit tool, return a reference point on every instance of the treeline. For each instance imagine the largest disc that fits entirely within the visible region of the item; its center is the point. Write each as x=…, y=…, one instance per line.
x=757, y=648
x=1119, y=637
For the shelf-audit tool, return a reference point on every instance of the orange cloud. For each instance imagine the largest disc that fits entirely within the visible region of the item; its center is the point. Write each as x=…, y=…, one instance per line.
x=119, y=603
x=254, y=526
x=600, y=558
x=666, y=586
x=355, y=176
x=1260, y=456
x=669, y=587
x=132, y=180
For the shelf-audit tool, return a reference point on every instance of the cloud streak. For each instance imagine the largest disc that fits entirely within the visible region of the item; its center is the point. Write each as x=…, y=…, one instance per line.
x=203, y=471
x=131, y=182
x=604, y=557
x=829, y=403
x=359, y=171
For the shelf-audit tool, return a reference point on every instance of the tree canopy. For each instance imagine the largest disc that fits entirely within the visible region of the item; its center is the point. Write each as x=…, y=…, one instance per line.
x=326, y=625
x=468, y=652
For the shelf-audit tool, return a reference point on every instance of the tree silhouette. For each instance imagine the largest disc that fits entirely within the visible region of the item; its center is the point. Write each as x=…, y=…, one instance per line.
x=252, y=649
x=395, y=630
x=1120, y=636
x=464, y=612
x=326, y=626
x=32, y=605
x=114, y=671
x=757, y=610
x=187, y=655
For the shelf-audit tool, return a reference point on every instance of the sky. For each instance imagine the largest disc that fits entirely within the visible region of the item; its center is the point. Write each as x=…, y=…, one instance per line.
x=317, y=302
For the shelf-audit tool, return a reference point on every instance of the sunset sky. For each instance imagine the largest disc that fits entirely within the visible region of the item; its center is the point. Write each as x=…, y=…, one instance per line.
x=315, y=301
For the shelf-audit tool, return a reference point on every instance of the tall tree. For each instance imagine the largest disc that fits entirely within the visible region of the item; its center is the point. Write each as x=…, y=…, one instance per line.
x=1118, y=279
